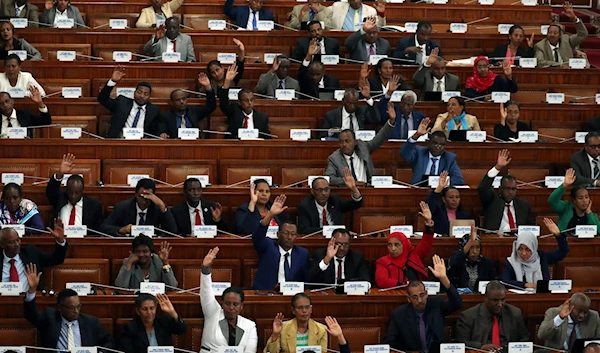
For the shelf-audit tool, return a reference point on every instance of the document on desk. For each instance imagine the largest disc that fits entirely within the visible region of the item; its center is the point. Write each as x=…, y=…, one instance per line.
x=521, y=291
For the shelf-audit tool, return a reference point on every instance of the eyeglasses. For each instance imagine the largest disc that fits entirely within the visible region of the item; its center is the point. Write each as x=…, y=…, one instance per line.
x=303, y=307
x=593, y=146
x=342, y=245
x=322, y=190
x=417, y=297
x=72, y=308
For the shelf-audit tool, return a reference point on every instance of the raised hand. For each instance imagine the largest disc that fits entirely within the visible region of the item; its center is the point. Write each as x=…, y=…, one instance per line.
x=66, y=165
x=275, y=65
x=365, y=88
x=530, y=40
x=507, y=69
x=48, y=4
x=334, y=329
x=160, y=32
x=118, y=73
x=432, y=56
x=423, y=128
x=216, y=212
x=569, y=178
x=125, y=229
x=364, y=70
x=503, y=159
x=425, y=213
x=33, y=278
x=165, y=305
x=315, y=6
x=278, y=324
x=59, y=230
x=443, y=181
x=303, y=12
x=568, y=11
x=204, y=81
x=380, y=6
x=155, y=199
x=210, y=257
x=131, y=260
x=394, y=84
x=439, y=269
x=391, y=110
x=369, y=24
x=503, y=114
x=332, y=249
x=36, y=96
x=231, y=73
x=241, y=47
x=163, y=254
x=349, y=180
x=278, y=205
x=565, y=309
x=313, y=48
x=253, y=194
x=552, y=227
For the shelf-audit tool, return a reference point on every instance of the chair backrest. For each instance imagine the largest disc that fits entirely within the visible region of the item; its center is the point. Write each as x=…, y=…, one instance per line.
x=77, y=270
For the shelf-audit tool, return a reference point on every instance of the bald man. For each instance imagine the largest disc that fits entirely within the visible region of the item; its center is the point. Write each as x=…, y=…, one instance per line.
x=592, y=348
x=575, y=314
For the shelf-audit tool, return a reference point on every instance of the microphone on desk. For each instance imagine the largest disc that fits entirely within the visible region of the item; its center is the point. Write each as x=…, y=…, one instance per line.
x=181, y=290
x=513, y=286
x=374, y=232
x=153, y=136
x=169, y=233
x=313, y=233
x=562, y=231
x=294, y=184
x=270, y=135
x=216, y=132
x=193, y=92
x=31, y=56
x=286, y=27
x=392, y=288
x=263, y=96
x=90, y=57
x=352, y=60
x=238, y=183
x=109, y=349
x=550, y=348
x=475, y=99
x=496, y=139
x=232, y=234
x=184, y=26
x=402, y=183
x=419, y=183
x=151, y=58
x=477, y=349
x=40, y=23
x=308, y=96
x=47, y=349
x=99, y=233
x=43, y=126
x=38, y=230
x=329, y=286
x=93, y=135
x=398, y=59
x=113, y=287
x=396, y=350
x=530, y=183
x=479, y=20
x=161, y=182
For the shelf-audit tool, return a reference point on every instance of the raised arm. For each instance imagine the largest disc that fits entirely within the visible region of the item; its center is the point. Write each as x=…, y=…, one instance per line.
x=210, y=306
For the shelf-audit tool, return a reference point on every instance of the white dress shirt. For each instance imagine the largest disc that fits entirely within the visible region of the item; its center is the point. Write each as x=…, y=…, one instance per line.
x=20, y=266
x=423, y=53
x=250, y=119
x=137, y=215
x=346, y=120
x=504, y=224
x=558, y=321
x=170, y=46
x=337, y=264
x=552, y=47
x=359, y=167
x=320, y=211
x=133, y=113
x=193, y=214
x=65, y=213
x=19, y=9
x=13, y=121
x=251, y=15
x=60, y=16
x=442, y=83
x=281, y=273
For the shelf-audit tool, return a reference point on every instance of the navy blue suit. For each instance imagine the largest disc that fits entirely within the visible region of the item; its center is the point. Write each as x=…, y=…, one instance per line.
x=268, y=261
x=418, y=157
x=406, y=42
x=246, y=221
x=440, y=216
x=396, y=135
x=240, y=14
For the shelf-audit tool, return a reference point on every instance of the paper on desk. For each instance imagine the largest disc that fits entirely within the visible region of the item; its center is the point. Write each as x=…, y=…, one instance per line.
x=520, y=291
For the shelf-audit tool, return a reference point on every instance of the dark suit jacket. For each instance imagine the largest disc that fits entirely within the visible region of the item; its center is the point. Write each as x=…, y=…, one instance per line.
x=30, y=12
x=121, y=107
x=494, y=205
x=402, y=333
x=235, y=116
x=268, y=260
x=125, y=213
x=457, y=269
x=27, y=118
x=246, y=221
x=417, y=117
x=48, y=325
x=583, y=171
x=181, y=215
x=418, y=157
x=355, y=268
x=440, y=214
x=474, y=326
x=31, y=254
x=357, y=50
x=309, y=87
x=406, y=42
x=240, y=14
x=194, y=114
x=332, y=47
x=134, y=339
x=364, y=114
x=500, y=52
x=308, y=216
x=376, y=85
x=92, y=208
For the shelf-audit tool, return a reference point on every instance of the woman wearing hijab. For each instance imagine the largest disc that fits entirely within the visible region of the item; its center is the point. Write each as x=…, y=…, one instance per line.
x=456, y=118
x=483, y=81
x=527, y=264
x=450, y=208
x=467, y=265
x=404, y=263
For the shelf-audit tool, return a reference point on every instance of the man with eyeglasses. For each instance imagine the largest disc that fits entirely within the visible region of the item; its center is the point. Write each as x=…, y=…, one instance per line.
x=337, y=262
x=422, y=315
x=321, y=208
x=586, y=162
x=74, y=328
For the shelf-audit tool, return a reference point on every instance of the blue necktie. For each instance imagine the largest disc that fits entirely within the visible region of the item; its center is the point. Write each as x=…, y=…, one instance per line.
x=254, y=22
x=137, y=118
x=286, y=266
x=352, y=167
x=142, y=218
x=433, y=170
x=404, y=133
x=311, y=14
x=17, y=11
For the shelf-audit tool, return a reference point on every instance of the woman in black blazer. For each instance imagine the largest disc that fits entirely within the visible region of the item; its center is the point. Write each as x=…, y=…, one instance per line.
x=249, y=214
x=449, y=208
x=509, y=51
x=509, y=125
x=147, y=329
x=467, y=266
x=384, y=72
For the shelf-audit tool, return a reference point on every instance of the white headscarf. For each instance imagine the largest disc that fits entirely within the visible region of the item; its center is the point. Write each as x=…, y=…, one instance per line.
x=530, y=268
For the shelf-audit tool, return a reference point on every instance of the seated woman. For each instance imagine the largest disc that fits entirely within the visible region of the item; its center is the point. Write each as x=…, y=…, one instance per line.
x=483, y=81
x=511, y=51
x=143, y=265
x=509, y=125
x=216, y=73
x=8, y=42
x=404, y=263
x=14, y=77
x=384, y=72
x=157, y=13
x=14, y=209
x=527, y=264
x=450, y=208
x=301, y=331
x=249, y=214
x=456, y=118
x=147, y=329
x=466, y=265
x=574, y=214
x=60, y=10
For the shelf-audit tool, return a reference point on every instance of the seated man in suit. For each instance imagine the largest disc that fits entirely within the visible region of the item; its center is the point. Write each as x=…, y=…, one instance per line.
x=144, y=209
x=72, y=206
x=338, y=262
x=327, y=45
x=281, y=260
x=168, y=39
x=556, y=49
x=408, y=117
x=366, y=42
x=59, y=10
x=16, y=257
x=348, y=16
x=355, y=155
x=184, y=116
x=416, y=48
x=492, y=324
x=321, y=208
x=12, y=117
x=313, y=80
x=419, y=325
x=20, y=9
x=435, y=79
x=312, y=11
x=247, y=17
x=503, y=212
x=195, y=210
x=586, y=162
x=241, y=115
x=277, y=78
x=350, y=116
x=129, y=113
x=430, y=160
x=572, y=320
x=65, y=328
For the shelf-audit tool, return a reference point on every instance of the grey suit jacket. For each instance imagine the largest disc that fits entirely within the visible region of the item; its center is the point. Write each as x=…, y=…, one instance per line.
x=583, y=171
x=423, y=80
x=544, y=54
x=268, y=83
x=30, y=12
x=183, y=43
x=324, y=15
x=357, y=47
x=336, y=162
x=555, y=337
x=133, y=278
x=48, y=16
x=474, y=326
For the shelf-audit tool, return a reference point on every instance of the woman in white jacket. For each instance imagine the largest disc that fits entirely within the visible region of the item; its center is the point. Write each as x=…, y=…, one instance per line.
x=223, y=325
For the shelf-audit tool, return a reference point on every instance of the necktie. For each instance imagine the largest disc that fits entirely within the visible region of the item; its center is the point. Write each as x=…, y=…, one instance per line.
x=286, y=266
x=340, y=270
x=254, y=20
x=198, y=219
x=433, y=169
x=281, y=83
x=596, y=174
x=496, y=331
x=573, y=336
x=137, y=117
x=70, y=337
x=351, y=118
x=556, y=56
x=14, y=275
x=511, y=219
x=72, y=216
x=356, y=18
x=17, y=11
x=352, y=167
x=438, y=87
x=142, y=218
x=9, y=123
x=404, y=132
x=372, y=49
x=422, y=333
x=311, y=14
x=174, y=45
x=325, y=223
x=246, y=117
x=183, y=124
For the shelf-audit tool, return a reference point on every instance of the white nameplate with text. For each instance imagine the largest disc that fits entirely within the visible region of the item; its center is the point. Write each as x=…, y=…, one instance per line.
x=460, y=231
x=146, y=230
x=291, y=288
x=533, y=229
x=11, y=288
x=328, y=230
x=16, y=132
x=432, y=288
x=376, y=348
x=17, y=178
x=528, y=63
x=357, y=287
x=482, y=286
x=560, y=285
x=272, y=232
x=185, y=133
x=586, y=231
x=528, y=136
x=405, y=229
x=117, y=23
x=75, y=231
x=365, y=135
x=217, y=25
x=226, y=58
x=133, y=133
x=173, y=57
x=153, y=288
x=19, y=22
x=285, y=94
x=121, y=56
x=204, y=231
x=330, y=59
x=552, y=182
x=452, y=348
x=476, y=136
x=82, y=288
x=382, y=181
x=219, y=287
x=132, y=179
x=247, y=134
x=267, y=178
x=555, y=98
x=70, y=133
x=520, y=347
x=300, y=134
x=66, y=55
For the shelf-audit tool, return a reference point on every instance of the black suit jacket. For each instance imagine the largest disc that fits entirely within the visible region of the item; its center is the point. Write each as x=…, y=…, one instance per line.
x=406, y=42
x=235, y=116
x=125, y=213
x=494, y=205
x=92, y=208
x=48, y=325
x=31, y=254
x=182, y=217
x=194, y=114
x=402, y=333
x=332, y=47
x=27, y=118
x=364, y=114
x=309, y=87
x=355, y=268
x=583, y=171
x=134, y=339
x=308, y=216
x=121, y=107
x=500, y=52
x=375, y=85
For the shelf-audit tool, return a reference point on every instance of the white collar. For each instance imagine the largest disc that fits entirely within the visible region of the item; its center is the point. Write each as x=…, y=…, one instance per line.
x=193, y=209
x=138, y=209
x=283, y=252
x=443, y=79
x=417, y=42
x=61, y=13
x=13, y=115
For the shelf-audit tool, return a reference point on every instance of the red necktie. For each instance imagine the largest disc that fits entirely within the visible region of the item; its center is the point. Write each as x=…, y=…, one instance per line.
x=496, y=332
x=339, y=271
x=72, y=216
x=14, y=275
x=246, y=117
x=174, y=45
x=511, y=219
x=198, y=219
x=325, y=217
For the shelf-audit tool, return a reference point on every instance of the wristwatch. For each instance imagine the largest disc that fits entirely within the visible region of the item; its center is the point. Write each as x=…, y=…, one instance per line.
x=167, y=268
